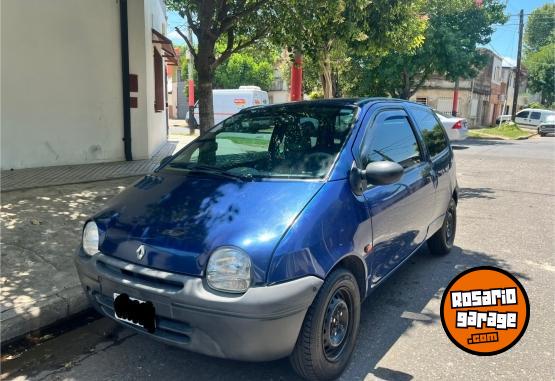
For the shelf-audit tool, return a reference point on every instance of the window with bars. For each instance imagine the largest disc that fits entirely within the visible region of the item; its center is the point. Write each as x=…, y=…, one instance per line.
x=423, y=101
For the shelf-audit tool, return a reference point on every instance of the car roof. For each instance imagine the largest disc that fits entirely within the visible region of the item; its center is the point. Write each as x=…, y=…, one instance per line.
x=538, y=109
x=354, y=102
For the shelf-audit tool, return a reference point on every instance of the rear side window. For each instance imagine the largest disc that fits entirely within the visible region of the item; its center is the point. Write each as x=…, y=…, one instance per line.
x=522, y=114
x=535, y=115
x=431, y=129
x=391, y=139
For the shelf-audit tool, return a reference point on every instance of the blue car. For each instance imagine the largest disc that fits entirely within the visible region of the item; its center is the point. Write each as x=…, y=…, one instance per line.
x=260, y=239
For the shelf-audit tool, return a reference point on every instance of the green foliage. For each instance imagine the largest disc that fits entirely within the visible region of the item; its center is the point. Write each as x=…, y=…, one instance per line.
x=245, y=69
x=508, y=130
x=541, y=72
x=540, y=52
x=540, y=28
x=449, y=49
x=534, y=105
x=329, y=32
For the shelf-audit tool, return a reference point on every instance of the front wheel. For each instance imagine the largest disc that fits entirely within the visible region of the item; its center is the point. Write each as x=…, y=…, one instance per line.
x=441, y=242
x=329, y=330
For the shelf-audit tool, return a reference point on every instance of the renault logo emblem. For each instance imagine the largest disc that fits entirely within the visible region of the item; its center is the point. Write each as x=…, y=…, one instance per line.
x=141, y=252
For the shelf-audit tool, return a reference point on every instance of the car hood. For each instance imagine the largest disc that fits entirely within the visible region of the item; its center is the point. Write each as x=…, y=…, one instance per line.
x=180, y=218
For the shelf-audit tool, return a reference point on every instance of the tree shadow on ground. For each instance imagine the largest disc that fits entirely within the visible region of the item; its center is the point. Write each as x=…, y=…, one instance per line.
x=40, y=230
x=484, y=193
x=483, y=142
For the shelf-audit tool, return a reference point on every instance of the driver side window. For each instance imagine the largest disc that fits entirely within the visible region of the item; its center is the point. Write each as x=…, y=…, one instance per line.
x=391, y=138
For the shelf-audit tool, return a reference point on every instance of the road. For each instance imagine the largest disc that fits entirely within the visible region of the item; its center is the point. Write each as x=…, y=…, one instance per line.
x=506, y=209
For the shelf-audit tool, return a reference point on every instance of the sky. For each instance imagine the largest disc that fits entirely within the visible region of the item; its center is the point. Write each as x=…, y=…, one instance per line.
x=504, y=41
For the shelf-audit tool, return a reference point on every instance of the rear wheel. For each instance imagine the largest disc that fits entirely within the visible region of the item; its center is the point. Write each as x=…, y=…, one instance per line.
x=329, y=330
x=441, y=242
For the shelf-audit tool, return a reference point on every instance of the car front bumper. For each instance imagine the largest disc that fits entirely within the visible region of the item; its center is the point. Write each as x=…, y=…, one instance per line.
x=260, y=325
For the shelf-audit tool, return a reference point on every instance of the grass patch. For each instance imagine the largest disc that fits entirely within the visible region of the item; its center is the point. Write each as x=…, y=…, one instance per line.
x=504, y=131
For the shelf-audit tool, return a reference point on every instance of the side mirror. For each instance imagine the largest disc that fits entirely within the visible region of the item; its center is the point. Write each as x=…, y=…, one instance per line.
x=376, y=173
x=383, y=172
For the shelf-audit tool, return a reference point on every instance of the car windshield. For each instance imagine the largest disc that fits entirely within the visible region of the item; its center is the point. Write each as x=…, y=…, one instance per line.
x=550, y=118
x=293, y=141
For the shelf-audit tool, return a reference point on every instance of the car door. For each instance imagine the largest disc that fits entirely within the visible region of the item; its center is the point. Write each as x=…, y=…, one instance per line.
x=400, y=212
x=522, y=117
x=441, y=159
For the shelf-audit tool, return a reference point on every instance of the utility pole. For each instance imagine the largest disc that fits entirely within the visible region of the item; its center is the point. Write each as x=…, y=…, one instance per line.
x=191, y=122
x=518, y=63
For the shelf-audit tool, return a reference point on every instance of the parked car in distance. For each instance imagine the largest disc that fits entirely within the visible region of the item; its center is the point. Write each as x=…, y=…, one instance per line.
x=456, y=128
x=260, y=239
x=532, y=117
x=548, y=126
x=503, y=119
x=228, y=102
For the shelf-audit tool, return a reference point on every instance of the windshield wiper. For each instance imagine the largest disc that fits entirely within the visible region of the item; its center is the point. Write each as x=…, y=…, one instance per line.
x=203, y=168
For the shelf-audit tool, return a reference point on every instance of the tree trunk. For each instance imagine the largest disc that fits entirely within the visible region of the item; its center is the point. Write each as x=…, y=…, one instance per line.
x=205, y=100
x=405, y=92
x=204, y=63
x=327, y=76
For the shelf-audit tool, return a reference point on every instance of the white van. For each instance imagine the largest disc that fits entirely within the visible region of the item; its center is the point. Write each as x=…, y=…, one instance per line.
x=230, y=101
x=532, y=117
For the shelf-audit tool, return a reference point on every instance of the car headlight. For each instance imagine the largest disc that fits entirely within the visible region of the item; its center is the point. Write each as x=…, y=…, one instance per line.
x=90, y=238
x=229, y=270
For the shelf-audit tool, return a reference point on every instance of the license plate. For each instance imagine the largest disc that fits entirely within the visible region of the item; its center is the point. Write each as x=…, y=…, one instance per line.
x=134, y=311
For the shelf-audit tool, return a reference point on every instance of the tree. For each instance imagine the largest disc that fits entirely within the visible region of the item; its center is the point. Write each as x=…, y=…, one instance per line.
x=247, y=68
x=541, y=72
x=449, y=49
x=540, y=52
x=238, y=23
x=540, y=28
x=329, y=31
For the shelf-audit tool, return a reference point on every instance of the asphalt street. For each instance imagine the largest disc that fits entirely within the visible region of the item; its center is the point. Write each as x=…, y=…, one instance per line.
x=505, y=219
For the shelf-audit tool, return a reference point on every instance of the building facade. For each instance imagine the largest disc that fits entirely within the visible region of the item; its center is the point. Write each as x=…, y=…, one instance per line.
x=64, y=81
x=481, y=99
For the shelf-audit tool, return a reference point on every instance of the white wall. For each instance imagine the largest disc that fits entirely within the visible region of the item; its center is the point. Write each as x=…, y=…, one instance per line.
x=61, y=82
x=154, y=19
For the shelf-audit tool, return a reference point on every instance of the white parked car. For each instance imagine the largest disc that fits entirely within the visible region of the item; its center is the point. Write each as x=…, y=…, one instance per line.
x=228, y=102
x=503, y=119
x=456, y=128
x=547, y=127
x=532, y=117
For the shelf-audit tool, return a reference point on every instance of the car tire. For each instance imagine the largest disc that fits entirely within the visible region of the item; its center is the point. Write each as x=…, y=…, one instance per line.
x=441, y=242
x=328, y=334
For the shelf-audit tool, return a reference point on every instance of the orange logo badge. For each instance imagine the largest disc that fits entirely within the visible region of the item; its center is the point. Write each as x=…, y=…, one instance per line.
x=485, y=311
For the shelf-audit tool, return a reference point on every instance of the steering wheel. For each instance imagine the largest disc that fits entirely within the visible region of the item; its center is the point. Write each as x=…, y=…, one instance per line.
x=317, y=160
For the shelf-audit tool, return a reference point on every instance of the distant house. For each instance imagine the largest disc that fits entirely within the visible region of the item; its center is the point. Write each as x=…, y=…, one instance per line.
x=68, y=96
x=279, y=91
x=481, y=99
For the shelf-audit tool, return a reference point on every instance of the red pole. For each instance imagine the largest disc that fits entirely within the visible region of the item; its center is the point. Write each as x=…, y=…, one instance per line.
x=297, y=78
x=455, y=99
x=191, y=93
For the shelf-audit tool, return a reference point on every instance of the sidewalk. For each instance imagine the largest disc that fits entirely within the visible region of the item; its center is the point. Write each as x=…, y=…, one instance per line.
x=41, y=227
x=69, y=174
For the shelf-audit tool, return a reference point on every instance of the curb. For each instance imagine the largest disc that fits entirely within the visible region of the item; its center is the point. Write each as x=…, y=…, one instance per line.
x=42, y=313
